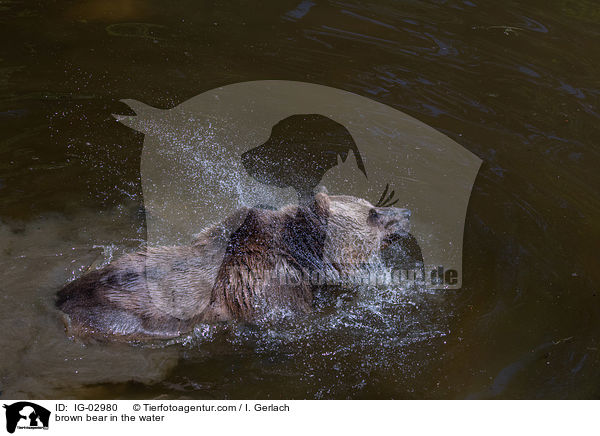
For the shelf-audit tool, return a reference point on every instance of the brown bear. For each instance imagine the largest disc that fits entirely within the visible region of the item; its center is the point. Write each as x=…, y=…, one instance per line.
x=251, y=264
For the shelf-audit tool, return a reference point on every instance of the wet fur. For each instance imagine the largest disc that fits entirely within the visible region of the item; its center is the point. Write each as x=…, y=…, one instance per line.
x=163, y=292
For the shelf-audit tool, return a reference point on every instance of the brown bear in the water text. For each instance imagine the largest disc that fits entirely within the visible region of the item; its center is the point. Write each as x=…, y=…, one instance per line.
x=227, y=272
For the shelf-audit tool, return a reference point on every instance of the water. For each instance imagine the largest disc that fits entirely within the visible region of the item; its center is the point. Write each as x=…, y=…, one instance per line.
x=515, y=83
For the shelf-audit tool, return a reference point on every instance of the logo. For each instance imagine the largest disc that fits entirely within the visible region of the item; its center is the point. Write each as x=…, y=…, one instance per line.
x=26, y=415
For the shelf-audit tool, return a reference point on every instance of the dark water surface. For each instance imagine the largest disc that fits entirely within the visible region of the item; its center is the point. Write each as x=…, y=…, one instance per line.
x=517, y=83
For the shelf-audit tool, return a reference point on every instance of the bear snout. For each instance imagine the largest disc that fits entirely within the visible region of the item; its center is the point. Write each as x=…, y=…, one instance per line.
x=390, y=219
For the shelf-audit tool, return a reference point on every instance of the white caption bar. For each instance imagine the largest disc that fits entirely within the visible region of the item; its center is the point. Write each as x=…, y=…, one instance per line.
x=23, y=417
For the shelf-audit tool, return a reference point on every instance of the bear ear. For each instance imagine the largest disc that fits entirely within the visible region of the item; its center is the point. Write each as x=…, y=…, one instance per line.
x=321, y=204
